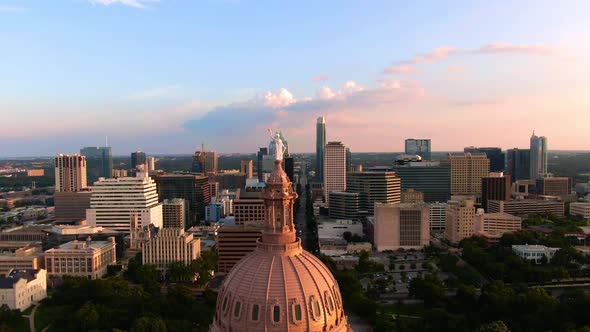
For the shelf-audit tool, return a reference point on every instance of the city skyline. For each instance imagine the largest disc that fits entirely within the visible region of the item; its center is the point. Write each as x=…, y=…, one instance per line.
x=163, y=76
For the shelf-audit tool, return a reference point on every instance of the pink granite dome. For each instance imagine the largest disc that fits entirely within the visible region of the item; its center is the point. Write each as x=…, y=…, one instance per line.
x=279, y=286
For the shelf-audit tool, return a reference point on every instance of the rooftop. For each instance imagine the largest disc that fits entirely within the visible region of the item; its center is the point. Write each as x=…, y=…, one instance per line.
x=15, y=275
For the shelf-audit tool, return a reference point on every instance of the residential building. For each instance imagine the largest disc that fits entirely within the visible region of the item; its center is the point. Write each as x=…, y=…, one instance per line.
x=518, y=164
x=527, y=207
x=538, y=158
x=71, y=205
x=99, y=162
x=580, y=209
x=438, y=217
x=374, y=187
x=431, y=178
x=193, y=188
x=114, y=201
x=320, y=146
x=345, y=205
x=496, y=223
x=171, y=245
x=246, y=167
x=70, y=173
x=21, y=288
x=234, y=242
x=495, y=186
x=460, y=219
x=213, y=187
x=29, y=257
x=334, y=169
x=412, y=196
x=88, y=259
x=337, y=228
x=534, y=252
x=467, y=170
x=405, y=226
x=420, y=147
x=174, y=213
x=495, y=155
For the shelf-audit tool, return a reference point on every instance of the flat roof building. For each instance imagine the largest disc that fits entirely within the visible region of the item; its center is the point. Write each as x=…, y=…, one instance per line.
x=337, y=228
x=334, y=169
x=171, y=245
x=431, y=178
x=496, y=223
x=580, y=209
x=234, y=243
x=21, y=288
x=527, y=207
x=174, y=213
x=88, y=259
x=405, y=226
x=29, y=257
x=467, y=170
x=70, y=172
x=193, y=188
x=345, y=205
x=374, y=187
x=460, y=219
x=71, y=205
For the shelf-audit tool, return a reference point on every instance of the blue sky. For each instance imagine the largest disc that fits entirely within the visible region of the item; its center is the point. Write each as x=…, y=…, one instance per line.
x=162, y=76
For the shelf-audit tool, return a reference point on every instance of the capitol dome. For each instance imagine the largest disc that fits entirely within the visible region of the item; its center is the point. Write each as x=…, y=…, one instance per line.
x=279, y=286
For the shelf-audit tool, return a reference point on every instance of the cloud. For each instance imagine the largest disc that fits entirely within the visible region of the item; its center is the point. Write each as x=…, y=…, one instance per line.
x=496, y=48
x=439, y=53
x=399, y=69
x=141, y=4
x=12, y=9
x=319, y=78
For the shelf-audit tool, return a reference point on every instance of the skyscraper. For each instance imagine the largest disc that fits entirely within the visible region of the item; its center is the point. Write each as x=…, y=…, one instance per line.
x=466, y=172
x=429, y=177
x=496, y=186
x=538, y=156
x=519, y=164
x=193, y=188
x=374, y=187
x=205, y=162
x=99, y=162
x=260, y=159
x=138, y=158
x=70, y=173
x=348, y=160
x=495, y=155
x=334, y=168
x=419, y=147
x=246, y=168
x=320, y=145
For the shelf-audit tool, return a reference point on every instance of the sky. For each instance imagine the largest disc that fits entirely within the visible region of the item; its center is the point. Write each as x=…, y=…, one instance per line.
x=165, y=76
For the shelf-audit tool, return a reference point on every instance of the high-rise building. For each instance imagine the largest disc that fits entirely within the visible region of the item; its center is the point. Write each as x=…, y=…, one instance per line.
x=247, y=168
x=234, y=242
x=193, y=188
x=460, y=215
x=495, y=155
x=205, y=162
x=171, y=245
x=518, y=164
x=260, y=159
x=438, y=217
x=495, y=186
x=345, y=205
x=248, y=208
x=405, y=226
x=334, y=168
x=431, y=178
x=138, y=158
x=151, y=164
x=229, y=180
x=71, y=205
x=70, y=173
x=99, y=162
x=555, y=186
x=419, y=147
x=374, y=187
x=174, y=213
x=412, y=196
x=289, y=166
x=114, y=202
x=538, y=156
x=349, y=160
x=320, y=146
x=466, y=172
x=305, y=295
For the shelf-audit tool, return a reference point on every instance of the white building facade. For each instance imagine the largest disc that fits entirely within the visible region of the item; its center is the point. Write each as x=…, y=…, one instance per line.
x=21, y=288
x=171, y=245
x=334, y=169
x=580, y=209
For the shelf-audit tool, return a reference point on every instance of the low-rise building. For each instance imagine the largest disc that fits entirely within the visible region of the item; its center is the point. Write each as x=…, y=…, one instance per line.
x=339, y=247
x=329, y=228
x=496, y=223
x=171, y=245
x=81, y=258
x=527, y=207
x=580, y=209
x=29, y=257
x=534, y=252
x=21, y=288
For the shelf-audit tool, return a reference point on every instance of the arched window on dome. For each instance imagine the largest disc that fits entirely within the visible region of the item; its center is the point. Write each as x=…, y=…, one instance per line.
x=237, y=310
x=255, y=313
x=336, y=296
x=225, y=306
x=316, y=309
x=296, y=312
x=329, y=302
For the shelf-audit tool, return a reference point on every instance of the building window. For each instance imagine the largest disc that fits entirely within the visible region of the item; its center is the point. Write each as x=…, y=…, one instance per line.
x=315, y=306
x=237, y=309
x=276, y=313
x=255, y=312
x=225, y=300
x=297, y=314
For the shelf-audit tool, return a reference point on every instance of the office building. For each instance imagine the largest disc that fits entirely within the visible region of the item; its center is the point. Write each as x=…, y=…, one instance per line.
x=420, y=147
x=139, y=161
x=71, y=205
x=538, y=158
x=555, y=186
x=22, y=288
x=248, y=208
x=174, y=213
x=438, y=217
x=467, y=170
x=123, y=173
x=114, y=201
x=495, y=155
x=401, y=226
x=527, y=207
x=433, y=179
x=99, y=162
x=345, y=205
x=460, y=219
x=412, y=196
x=496, y=224
x=88, y=259
x=70, y=173
x=495, y=186
x=214, y=211
x=28, y=257
x=334, y=169
x=193, y=188
x=518, y=164
x=260, y=157
x=171, y=245
x=580, y=209
x=320, y=145
x=374, y=187
x=234, y=242
x=247, y=168
x=289, y=166
x=534, y=252
x=337, y=228
x=349, y=161
x=230, y=180
x=151, y=164
x=205, y=162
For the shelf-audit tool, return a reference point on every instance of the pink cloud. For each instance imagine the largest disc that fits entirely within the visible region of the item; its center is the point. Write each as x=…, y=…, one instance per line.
x=399, y=69
x=495, y=48
x=439, y=53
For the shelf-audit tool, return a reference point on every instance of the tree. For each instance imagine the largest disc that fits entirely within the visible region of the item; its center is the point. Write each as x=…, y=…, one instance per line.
x=429, y=288
x=88, y=317
x=497, y=326
x=149, y=324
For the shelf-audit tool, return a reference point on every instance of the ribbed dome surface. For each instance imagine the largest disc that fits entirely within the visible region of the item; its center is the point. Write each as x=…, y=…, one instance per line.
x=278, y=291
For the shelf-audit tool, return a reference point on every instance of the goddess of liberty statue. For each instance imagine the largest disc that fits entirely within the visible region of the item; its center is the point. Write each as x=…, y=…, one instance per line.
x=277, y=147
